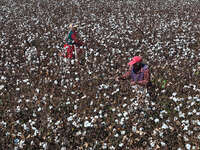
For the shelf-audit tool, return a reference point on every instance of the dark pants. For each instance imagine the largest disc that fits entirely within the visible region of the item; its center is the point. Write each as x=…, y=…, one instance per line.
x=151, y=90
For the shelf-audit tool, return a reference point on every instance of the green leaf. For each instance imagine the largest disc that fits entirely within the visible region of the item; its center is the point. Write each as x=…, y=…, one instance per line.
x=164, y=83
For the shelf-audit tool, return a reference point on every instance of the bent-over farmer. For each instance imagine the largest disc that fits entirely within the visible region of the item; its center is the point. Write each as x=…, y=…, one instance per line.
x=71, y=41
x=138, y=72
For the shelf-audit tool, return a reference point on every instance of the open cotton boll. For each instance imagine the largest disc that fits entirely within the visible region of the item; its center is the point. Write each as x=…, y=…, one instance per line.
x=39, y=109
x=3, y=77
x=67, y=103
x=123, y=132
x=116, y=135
x=164, y=126
x=188, y=146
x=121, y=144
x=70, y=118
x=198, y=122
x=119, y=114
x=185, y=127
x=124, y=105
x=156, y=120
x=56, y=82
x=174, y=94
x=122, y=120
x=1, y=87
x=87, y=124
x=104, y=146
x=125, y=114
x=162, y=143
x=181, y=114
x=75, y=107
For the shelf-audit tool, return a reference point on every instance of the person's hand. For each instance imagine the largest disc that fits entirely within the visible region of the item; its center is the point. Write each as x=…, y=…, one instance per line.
x=117, y=79
x=59, y=54
x=80, y=43
x=83, y=44
x=133, y=83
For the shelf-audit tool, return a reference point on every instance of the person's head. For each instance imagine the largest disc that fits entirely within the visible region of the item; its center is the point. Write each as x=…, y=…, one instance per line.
x=137, y=66
x=73, y=27
x=136, y=62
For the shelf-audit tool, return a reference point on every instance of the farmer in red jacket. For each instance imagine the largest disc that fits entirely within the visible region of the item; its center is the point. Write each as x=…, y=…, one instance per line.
x=71, y=41
x=138, y=72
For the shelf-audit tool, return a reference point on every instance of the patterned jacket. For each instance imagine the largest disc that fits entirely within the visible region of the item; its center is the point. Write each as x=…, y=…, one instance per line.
x=72, y=39
x=142, y=76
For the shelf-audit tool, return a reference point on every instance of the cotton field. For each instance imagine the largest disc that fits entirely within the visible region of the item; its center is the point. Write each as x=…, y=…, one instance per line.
x=48, y=103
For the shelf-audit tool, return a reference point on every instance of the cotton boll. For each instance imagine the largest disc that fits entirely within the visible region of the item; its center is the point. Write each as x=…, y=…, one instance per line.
x=123, y=132
x=116, y=135
x=113, y=109
x=192, y=103
x=152, y=143
x=163, y=144
x=194, y=148
x=198, y=122
x=122, y=121
x=104, y=146
x=181, y=115
x=174, y=94
x=75, y=107
x=188, y=146
x=156, y=120
x=124, y=105
x=101, y=105
x=21, y=143
x=70, y=118
x=125, y=114
x=175, y=99
x=39, y=109
x=37, y=90
x=185, y=127
x=87, y=124
x=67, y=103
x=119, y=114
x=56, y=82
x=164, y=126
x=78, y=133
x=185, y=139
x=177, y=108
x=26, y=80
x=161, y=134
x=121, y=144
x=100, y=112
x=3, y=78
x=134, y=128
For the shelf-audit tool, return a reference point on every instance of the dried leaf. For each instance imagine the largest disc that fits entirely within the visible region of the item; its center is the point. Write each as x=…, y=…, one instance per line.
x=86, y=145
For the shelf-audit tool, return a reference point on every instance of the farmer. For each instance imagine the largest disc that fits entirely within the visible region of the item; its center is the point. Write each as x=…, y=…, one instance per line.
x=138, y=72
x=71, y=41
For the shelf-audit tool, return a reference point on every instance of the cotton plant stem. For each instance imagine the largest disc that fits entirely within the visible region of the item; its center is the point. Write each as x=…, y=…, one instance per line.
x=75, y=50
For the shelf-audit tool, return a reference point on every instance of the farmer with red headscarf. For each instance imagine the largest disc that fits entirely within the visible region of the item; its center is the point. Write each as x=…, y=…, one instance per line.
x=71, y=41
x=138, y=72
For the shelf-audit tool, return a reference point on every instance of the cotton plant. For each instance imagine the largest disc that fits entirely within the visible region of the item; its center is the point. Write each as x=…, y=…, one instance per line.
x=112, y=34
